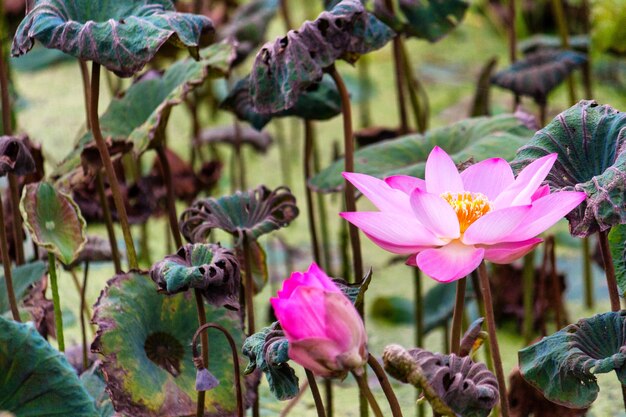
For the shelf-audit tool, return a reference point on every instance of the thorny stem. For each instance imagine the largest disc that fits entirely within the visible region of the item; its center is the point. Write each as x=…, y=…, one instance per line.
x=493, y=337
x=609, y=270
x=13, y=184
x=396, y=411
x=83, y=306
x=58, y=319
x=205, y=363
x=457, y=317
x=317, y=398
x=108, y=166
x=308, y=150
x=346, y=110
x=108, y=221
x=365, y=390
x=6, y=264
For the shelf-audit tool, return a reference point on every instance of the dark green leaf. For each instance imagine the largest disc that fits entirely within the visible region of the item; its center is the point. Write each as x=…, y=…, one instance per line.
x=539, y=42
x=589, y=140
x=207, y=267
x=608, y=29
x=563, y=366
x=393, y=310
x=539, y=73
x=287, y=67
x=145, y=339
x=120, y=35
x=23, y=277
x=35, y=378
x=454, y=386
x=141, y=114
x=268, y=350
x=54, y=221
x=617, y=243
x=355, y=292
x=320, y=101
x=478, y=138
x=426, y=19
x=252, y=213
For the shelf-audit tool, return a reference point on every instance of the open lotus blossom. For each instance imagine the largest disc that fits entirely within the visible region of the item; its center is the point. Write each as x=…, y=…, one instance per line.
x=449, y=222
x=325, y=332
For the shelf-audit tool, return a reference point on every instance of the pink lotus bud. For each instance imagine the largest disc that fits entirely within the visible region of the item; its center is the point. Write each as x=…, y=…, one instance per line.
x=325, y=332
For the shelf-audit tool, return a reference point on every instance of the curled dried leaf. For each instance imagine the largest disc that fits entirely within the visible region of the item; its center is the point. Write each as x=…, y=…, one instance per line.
x=208, y=267
x=251, y=213
x=15, y=157
x=237, y=135
x=453, y=385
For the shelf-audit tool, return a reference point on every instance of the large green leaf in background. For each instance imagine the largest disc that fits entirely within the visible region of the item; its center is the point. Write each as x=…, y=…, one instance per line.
x=608, y=33
x=93, y=381
x=141, y=115
x=426, y=19
x=54, y=221
x=23, y=277
x=478, y=138
x=590, y=142
x=564, y=365
x=121, y=35
x=285, y=68
x=35, y=378
x=321, y=101
x=145, y=338
x=617, y=244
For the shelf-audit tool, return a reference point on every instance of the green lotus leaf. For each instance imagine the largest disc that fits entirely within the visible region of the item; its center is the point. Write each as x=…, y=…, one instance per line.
x=268, y=350
x=252, y=214
x=542, y=41
x=425, y=19
x=617, y=244
x=249, y=25
x=478, y=138
x=539, y=73
x=94, y=383
x=590, y=144
x=123, y=36
x=35, y=378
x=454, y=385
x=145, y=339
x=285, y=68
x=321, y=101
x=54, y=221
x=205, y=266
x=23, y=277
x=564, y=365
x=141, y=114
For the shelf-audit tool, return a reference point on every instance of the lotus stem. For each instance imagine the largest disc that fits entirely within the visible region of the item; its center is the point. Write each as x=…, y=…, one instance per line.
x=485, y=289
x=328, y=391
x=346, y=110
x=396, y=411
x=292, y=403
x=58, y=318
x=482, y=313
x=108, y=166
x=284, y=12
x=367, y=393
x=83, y=306
x=317, y=398
x=512, y=35
x=587, y=274
x=528, y=278
x=308, y=150
x=556, y=285
x=249, y=285
x=239, y=157
x=6, y=264
x=204, y=341
x=400, y=82
x=166, y=173
x=79, y=289
x=561, y=23
x=13, y=185
x=414, y=87
x=419, y=323
x=609, y=270
x=283, y=154
x=108, y=221
x=543, y=110
x=205, y=363
x=325, y=235
x=457, y=316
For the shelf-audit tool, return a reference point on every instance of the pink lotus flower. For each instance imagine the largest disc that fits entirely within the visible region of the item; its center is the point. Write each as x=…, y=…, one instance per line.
x=449, y=222
x=325, y=332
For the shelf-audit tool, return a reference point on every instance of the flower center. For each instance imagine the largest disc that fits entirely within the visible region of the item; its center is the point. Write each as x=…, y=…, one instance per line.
x=468, y=207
